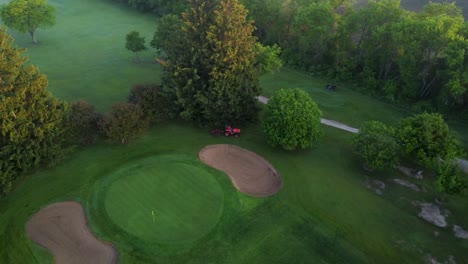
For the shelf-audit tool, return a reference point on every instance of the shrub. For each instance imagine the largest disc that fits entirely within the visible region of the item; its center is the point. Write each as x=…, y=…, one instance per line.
x=376, y=145
x=427, y=137
x=154, y=103
x=124, y=122
x=292, y=120
x=82, y=122
x=449, y=179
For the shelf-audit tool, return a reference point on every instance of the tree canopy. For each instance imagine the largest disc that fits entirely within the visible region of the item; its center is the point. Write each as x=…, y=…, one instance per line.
x=292, y=120
x=31, y=127
x=427, y=138
x=211, y=69
x=135, y=43
x=28, y=15
x=124, y=122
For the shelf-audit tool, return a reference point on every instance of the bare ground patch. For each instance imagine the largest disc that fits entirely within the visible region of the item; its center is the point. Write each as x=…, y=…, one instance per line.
x=61, y=228
x=432, y=214
x=250, y=173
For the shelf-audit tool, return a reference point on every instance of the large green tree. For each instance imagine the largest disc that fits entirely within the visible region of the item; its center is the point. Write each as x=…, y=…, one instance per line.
x=313, y=28
x=31, y=120
x=292, y=120
x=28, y=15
x=212, y=70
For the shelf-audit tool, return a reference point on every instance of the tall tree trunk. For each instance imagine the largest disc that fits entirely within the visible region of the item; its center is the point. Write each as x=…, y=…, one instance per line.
x=33, y=36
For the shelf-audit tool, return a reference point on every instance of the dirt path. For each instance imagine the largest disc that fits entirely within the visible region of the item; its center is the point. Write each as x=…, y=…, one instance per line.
x=463, y=164
x=249, y=173
x=61, y=228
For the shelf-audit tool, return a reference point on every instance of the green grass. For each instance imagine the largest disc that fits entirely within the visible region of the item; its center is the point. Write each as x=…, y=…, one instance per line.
x=349, y=106
x=323, y=214
x=84, y=54
x=185, y=198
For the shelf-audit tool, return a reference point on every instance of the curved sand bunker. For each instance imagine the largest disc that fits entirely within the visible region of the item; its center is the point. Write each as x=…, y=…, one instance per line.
x=250, y=173
x=61, y=228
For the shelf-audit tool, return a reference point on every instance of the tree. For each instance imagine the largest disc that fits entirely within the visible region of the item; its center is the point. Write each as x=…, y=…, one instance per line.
x=31, y=120
x=168, y=33
x=377, y=146
x=135, y=43
x=124, y=122
x=268, y=58
x=211, y=71
x=312, y=30
x=152, y=101
x=82, y=122
x=28, y=15
x=427, y=137
x=424, y=39
x=292, y=120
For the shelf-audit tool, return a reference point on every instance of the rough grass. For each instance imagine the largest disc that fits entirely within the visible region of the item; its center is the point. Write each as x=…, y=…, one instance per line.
x=349, y=106
x=84, y=54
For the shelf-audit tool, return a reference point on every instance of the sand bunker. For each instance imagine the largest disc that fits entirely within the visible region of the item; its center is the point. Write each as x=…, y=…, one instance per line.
x=61, y=228
x=250, y=173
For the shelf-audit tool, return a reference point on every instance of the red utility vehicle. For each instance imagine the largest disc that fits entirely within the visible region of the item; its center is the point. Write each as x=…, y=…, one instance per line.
x=229, y=130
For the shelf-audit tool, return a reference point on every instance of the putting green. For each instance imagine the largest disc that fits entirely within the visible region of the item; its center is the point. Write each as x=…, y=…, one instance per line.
x=185, y=198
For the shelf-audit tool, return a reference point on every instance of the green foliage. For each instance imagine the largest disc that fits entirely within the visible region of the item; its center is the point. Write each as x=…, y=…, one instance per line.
x=135, y=43
x=124, y=122
x=31, y=120
x=268, y=58
x=168, y=33
x=28, y=15
x=292, y=120
x=152, y=101
x=312, y=30
x=427, y=137
x=377, y=146
x=449, y=178
x=211, y=70
x=82, y=122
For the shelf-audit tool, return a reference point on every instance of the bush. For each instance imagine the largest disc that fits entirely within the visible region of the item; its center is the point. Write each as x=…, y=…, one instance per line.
x=149, y=97
x=376, y=145
x=427, y=137
x=449, y=178
x=82, y=122
x=124, y=122
x=292, y=120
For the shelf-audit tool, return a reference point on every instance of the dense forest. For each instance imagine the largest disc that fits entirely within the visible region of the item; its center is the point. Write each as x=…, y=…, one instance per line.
x=415, y=58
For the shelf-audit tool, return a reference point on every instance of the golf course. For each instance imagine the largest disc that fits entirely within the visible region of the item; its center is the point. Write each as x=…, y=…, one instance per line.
x=177, y=194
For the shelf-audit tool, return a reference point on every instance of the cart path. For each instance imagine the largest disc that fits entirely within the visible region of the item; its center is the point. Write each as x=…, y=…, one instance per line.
x=461, y=162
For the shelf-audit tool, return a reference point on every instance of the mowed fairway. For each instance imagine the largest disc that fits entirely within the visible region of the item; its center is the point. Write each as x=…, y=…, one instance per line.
x=84, y=54
x=163, y=199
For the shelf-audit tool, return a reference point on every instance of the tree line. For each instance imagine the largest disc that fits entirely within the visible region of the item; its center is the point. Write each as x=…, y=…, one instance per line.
x=413, y=58
x=402, y=56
